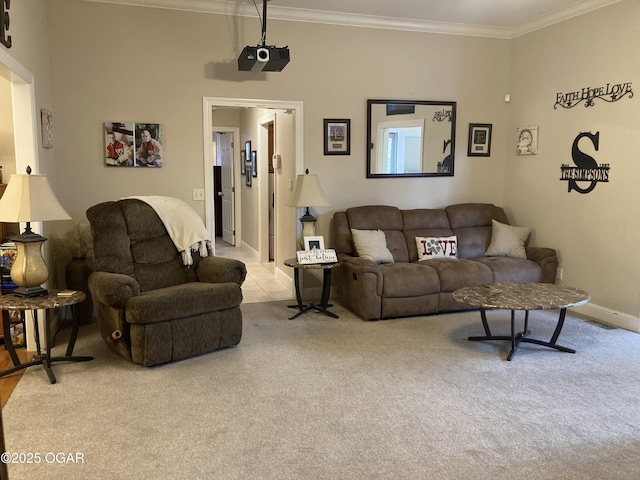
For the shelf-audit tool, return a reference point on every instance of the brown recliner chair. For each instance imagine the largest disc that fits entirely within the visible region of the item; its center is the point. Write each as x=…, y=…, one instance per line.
x=151, y=308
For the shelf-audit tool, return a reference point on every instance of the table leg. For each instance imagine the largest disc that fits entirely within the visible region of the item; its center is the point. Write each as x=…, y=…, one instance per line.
x=324, y=300
x=74, y=329
x=8, y=341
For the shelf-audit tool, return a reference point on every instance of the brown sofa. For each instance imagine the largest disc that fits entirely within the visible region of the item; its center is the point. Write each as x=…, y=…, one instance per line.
x=408, y=287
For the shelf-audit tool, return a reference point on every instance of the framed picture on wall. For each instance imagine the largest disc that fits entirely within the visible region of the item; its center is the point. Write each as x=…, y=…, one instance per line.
x=254, y=163
x=527, y=140
x=479, y=140
x=246, y=157
x=337, y=136
x=247, y=168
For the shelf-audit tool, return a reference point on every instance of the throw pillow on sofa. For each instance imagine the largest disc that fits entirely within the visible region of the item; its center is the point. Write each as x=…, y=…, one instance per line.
x=437, y=247
x=372, y=245
x=507, y=241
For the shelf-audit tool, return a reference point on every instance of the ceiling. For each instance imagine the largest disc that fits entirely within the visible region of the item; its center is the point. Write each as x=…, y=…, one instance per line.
x=488, y=18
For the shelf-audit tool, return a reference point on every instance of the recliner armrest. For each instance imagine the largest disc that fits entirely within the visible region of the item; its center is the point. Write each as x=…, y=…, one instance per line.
x=547, y=258
x=220, y=270
x=113, y=289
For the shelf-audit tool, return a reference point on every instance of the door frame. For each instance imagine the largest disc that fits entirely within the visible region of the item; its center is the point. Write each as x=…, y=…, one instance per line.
x=208, y=103
x=237, y=181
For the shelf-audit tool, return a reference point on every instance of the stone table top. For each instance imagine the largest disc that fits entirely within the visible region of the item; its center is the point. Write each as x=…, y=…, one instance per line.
x=293, y=262
x=51, y=300
x=521, y=296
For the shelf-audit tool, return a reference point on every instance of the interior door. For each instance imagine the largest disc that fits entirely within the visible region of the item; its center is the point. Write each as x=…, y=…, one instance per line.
x=226, y=155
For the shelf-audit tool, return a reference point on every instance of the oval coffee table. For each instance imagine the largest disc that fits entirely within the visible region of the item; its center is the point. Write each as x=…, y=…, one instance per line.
x=522, y=296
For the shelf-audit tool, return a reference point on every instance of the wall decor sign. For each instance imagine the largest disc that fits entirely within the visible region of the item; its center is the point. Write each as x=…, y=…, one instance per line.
x=479, y=140
x=586, y=168
x=527, y=140
x=443, y=115
x=611, y=92
x=129, y=144
x=4, y=23
x=46, y=123
x=337, y=136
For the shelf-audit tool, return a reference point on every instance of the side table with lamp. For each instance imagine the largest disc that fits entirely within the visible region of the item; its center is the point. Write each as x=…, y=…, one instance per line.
x=307, y=193
x=29, y=198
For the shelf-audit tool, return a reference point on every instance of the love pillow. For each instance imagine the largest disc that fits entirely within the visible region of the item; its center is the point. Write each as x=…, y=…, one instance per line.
x=437, y=247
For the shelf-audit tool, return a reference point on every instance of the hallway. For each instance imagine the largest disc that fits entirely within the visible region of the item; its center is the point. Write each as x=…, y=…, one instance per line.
x=262, y=283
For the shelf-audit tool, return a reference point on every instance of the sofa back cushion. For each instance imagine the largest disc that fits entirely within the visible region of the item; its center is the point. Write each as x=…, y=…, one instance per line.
x=380, y=217
x=424, y=222
x=471, y=223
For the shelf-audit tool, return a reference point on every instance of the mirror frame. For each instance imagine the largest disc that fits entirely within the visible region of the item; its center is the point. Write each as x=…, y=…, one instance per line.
x=369, y=146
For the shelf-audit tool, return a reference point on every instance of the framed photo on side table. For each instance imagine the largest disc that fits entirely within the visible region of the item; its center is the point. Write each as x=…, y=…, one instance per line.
x=479, y=140
x=314, y=243
x=337, y=136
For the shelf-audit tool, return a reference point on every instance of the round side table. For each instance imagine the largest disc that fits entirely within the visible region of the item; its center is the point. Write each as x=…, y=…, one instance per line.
x=326, y=287
x=48, y=303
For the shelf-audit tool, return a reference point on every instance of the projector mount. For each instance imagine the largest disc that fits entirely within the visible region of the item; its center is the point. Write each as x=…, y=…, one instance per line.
x=266, y=58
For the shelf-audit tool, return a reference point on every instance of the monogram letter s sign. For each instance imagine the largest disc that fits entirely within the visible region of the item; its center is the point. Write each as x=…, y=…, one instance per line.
x=586, y=168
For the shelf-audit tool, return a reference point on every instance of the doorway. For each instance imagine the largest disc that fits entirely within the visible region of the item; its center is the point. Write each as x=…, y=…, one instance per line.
x=285, y=218
x=21, y=97
x=226, y=157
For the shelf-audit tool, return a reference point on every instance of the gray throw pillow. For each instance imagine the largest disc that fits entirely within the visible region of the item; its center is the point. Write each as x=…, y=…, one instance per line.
x=372, y=245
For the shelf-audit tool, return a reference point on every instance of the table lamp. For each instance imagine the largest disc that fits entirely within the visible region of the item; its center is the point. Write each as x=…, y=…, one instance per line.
x=307, y=192
x=29, y=198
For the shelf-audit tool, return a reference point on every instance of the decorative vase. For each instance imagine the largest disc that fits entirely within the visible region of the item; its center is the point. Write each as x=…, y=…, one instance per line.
x=77, y=274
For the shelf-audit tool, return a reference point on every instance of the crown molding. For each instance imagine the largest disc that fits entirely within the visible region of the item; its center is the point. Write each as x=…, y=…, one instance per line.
x=227, y=7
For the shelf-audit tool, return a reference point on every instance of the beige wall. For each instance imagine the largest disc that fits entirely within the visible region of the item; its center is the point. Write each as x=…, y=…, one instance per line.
x=596, y=234
x=117, y=62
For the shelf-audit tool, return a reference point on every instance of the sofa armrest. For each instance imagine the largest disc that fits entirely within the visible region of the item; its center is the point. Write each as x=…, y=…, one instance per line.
x=221, y=270
x=547, y=258
x=113, y=289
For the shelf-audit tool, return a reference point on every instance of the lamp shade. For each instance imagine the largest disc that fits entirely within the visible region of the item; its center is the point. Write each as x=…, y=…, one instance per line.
x=29, y=198
x=307, y=192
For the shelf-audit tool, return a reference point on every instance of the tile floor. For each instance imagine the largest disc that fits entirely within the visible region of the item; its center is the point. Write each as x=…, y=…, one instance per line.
x=262, y=284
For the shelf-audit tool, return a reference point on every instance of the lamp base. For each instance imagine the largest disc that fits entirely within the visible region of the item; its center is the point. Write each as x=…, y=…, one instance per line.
x=28, y=292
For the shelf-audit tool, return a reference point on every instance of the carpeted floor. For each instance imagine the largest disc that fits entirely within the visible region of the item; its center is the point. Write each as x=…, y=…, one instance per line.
x=323, y=398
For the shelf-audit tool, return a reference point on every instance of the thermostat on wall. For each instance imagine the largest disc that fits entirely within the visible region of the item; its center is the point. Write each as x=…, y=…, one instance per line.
x=275, y=160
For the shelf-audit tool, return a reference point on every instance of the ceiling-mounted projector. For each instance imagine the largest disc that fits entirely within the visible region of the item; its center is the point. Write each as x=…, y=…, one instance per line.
x=263, y=59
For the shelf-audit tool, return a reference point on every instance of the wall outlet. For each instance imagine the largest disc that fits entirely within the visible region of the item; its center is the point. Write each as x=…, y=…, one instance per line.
x=198, y=193
x=560, y=273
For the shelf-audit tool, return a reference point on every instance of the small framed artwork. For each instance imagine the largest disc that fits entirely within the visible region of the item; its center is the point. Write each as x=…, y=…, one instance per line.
x=119, y=144
x=46, y=119
x=337, y=136
x=479, y=140
x=247, y=168
x=314, y=243
x=527, y=140
x=254, y=163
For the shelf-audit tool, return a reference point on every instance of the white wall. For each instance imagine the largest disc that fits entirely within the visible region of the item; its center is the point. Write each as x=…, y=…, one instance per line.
x=596, y=234
x=113, y=62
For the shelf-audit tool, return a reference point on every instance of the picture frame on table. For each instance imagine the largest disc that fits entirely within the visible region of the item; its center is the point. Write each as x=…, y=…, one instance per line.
x=479, y=140
x=337, y=136
x=314, y=243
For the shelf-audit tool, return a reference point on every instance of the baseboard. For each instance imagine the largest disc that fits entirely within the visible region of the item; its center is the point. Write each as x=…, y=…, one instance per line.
x=609, y=317
x=284, y=278
x=247, y=248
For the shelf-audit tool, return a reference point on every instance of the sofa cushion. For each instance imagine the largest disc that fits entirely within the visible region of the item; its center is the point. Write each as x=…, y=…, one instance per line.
x=507, y=241
x=512, y=269
x=372, y=245
x=430, y=248
x=458, y=273
x=471, y=223
x=409, y=280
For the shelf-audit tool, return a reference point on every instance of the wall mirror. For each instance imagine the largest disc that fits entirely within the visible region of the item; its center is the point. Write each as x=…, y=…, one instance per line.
x=410, y=138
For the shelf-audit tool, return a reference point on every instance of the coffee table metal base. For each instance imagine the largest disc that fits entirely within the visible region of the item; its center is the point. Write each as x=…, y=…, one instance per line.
x=523, y=337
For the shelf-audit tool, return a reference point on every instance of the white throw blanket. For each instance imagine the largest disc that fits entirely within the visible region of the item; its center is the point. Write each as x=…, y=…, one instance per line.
x=183, y=224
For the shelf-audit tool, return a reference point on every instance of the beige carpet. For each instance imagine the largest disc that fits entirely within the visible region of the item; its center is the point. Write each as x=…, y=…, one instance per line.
x=323, y=398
